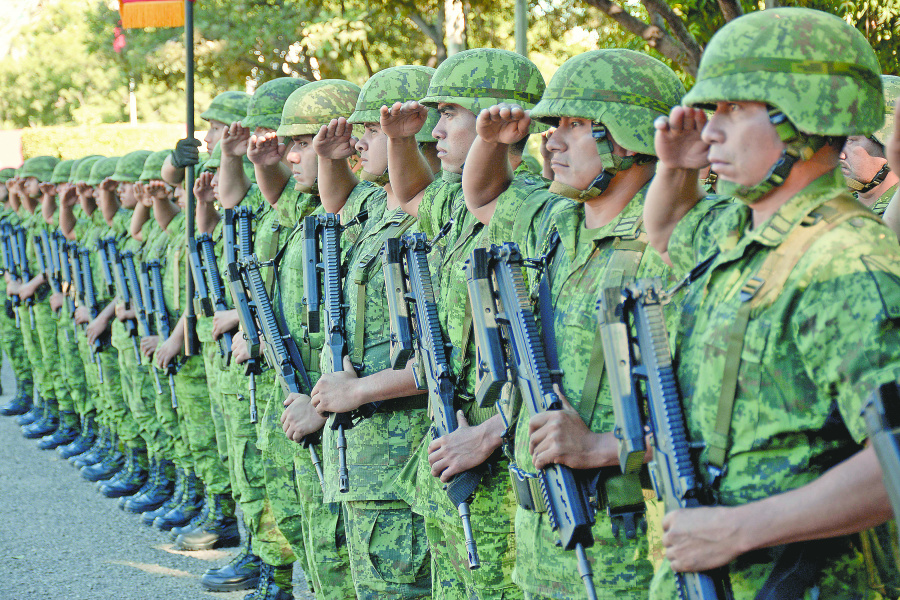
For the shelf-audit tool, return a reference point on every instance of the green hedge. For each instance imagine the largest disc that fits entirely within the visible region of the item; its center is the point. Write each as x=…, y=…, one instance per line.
x=114, y=139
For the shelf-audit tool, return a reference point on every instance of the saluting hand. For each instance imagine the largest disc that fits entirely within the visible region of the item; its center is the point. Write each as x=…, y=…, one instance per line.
x=678, y=140
x=265, y=150
x=502, y=123
x=299, y=418
x=335, y=141
x=235, y=140
x=402, y=120
x=109, y=185
x=203, y=187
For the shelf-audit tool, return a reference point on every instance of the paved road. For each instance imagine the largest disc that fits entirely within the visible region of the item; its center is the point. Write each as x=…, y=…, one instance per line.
x=61, y=539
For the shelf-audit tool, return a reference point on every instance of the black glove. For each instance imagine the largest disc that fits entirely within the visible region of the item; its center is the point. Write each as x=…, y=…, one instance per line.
x=186, y=153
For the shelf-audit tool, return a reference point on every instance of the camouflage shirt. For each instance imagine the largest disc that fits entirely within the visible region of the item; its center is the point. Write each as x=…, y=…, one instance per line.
x=809, y=359
x=882, y=203
x=379, y=446
x=527, y=213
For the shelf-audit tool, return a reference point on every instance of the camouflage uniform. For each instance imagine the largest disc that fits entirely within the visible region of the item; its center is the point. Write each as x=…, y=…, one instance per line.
x=891, y=93
x=10, y=336
x=30, y=337
x=816, y=344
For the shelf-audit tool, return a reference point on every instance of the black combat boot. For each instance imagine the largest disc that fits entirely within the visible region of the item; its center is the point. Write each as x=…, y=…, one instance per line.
x=96, y=453
x=46, y=425
x=149, y=482
x=174, y=499
x=82, y=443
x=130, y=479
x=241, y=573
x=190, y=506
x=66, y=433
x=219, y=529
x=34, y=413
x=274, y=583
x=111, y=464
x=19, y=405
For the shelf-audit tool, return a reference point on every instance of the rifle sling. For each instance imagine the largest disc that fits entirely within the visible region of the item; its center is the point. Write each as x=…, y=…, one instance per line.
x=758, y=293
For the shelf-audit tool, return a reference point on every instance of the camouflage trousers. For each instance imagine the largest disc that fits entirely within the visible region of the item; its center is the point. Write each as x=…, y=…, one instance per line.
x=197, y=430
x=45, y=326
x=221, y=481
x=73, y=376
x=389, y=555
x=139, y=426
x=879, y=546
x=32, y=346
x=451, y=577
x=11, y=339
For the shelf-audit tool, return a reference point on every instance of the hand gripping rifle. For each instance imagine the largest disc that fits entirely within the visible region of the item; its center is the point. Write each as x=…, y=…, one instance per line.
x=92, y=304
x=201, y=291
x=117, y=262
x=322, y=273
x=139, y=294
x=46, y=262
x=408, y=280
x=10, y=261
x=76, y=290
x=24, y=270
x=280, y=349
x=639, y=366
x=215, y=288
x=154, y=269
x=882, y=415
x=509, y=343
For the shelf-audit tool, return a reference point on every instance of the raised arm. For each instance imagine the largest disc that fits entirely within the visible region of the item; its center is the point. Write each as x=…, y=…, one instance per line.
x=335, y=144
x=408, y=168
x=675, y=189
x=266, y=152
x=488, y=173
x=233, y=182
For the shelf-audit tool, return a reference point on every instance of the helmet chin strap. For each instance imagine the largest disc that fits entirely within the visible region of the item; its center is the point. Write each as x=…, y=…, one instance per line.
x=798, y=146
x=380, y=180
x=860, y=187
x=612, y=164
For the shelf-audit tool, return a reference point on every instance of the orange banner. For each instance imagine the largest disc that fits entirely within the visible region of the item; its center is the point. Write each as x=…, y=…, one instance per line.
x=151, y=13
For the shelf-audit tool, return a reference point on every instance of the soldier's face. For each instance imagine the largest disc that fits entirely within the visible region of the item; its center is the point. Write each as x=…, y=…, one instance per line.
x=31, y=187
x=126, y=195
x=743, y=143
x=575, y=161
x=216, y=129
x=372, y=148
x=861, y=158
x=303, y=160
x=455, y=133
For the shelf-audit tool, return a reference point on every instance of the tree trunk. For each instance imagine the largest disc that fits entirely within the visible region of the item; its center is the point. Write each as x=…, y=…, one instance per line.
x=454, y=26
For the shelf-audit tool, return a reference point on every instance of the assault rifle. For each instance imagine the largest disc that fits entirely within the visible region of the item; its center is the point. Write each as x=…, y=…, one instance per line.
x=123, y=292
x=106, y=265
x=154, y=269
x=408, y=279
x=321, y=239
x=24, y=270
x=201, y=292
x=882, y=415
x=510, y=349
x=280, y=349
x=90, y=301
x=76, y=290
x=140, y=299
x=47, y=264
x=9, y=263
x=216, y=289
x=639, y=367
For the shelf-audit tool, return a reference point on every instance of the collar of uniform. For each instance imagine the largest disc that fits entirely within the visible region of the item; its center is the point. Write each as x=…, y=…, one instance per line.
x=449, y=177
x=789, y=215
x=570, y=223
x=97, y=217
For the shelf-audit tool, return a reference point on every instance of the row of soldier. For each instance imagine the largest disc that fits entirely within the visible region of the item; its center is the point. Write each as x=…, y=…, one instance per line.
x=346, y=395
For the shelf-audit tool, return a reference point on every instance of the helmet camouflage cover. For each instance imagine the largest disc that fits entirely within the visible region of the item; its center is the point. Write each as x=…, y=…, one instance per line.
x=62, y=171
x=891, y=94
x=227, y=107
x=130, y=166
x=622, y=89
x=7, y=174
x=316, y=104
x=264, y=109
x=40, y=167
x=153, y=165
x=396, y=84
x=103, y=168
x=482, y=77
x=83, y=172
x=812, y=66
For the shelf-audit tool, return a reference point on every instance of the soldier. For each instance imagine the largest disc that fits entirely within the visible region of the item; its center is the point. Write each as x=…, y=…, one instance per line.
x=587, y=226
x=863, y=160
x=463, y=85
x=388, y=548
x=792, y=320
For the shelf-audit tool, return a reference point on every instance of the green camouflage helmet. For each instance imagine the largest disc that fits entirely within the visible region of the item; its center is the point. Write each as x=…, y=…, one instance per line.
x=153, y=165
x=622, y=89
x=482, y=77
x=396, y=84
x=316, y=104
x=267, y=103
x=62, y=171
x=7, y=174
x=130, y=166
x=40, y=167
x=84, y=168
x=227, y=107
x=103, y=168
x=812, y=66
x=891, y=93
